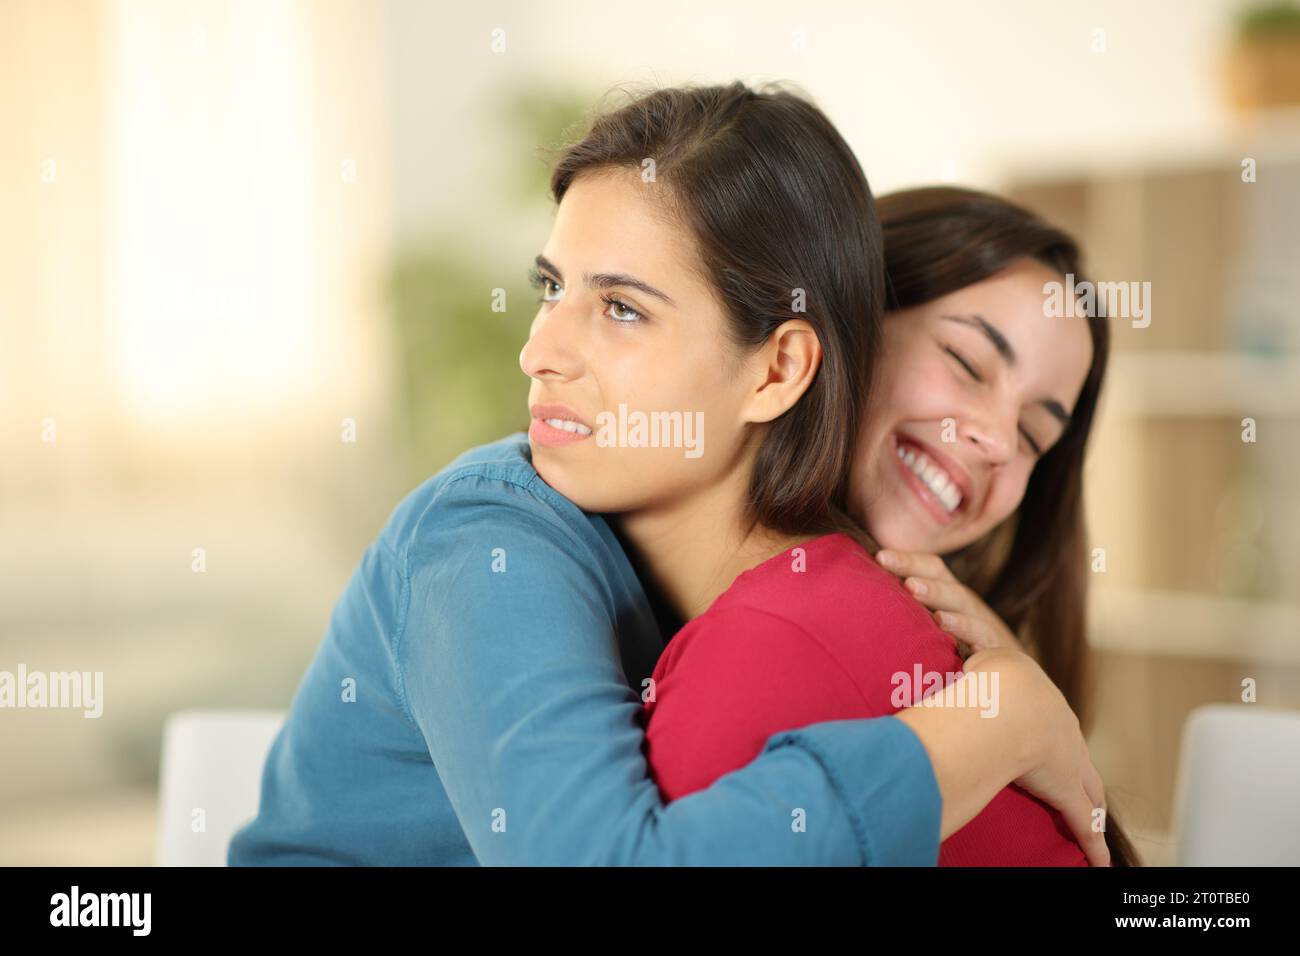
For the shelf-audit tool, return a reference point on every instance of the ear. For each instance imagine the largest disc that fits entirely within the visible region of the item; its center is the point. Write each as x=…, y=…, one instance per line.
x=784, y=367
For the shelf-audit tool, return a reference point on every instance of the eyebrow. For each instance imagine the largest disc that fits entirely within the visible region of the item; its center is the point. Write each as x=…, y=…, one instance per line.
x=1008, y=354
x=608, y=280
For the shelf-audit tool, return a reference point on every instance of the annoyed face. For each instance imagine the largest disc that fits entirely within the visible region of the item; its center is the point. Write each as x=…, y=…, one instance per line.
x=627, y=321
x=973, y=388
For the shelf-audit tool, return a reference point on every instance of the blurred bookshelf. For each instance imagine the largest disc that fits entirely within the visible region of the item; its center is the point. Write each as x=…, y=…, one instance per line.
x=1202, y=385
x=1200, y=527
x=1196, y=625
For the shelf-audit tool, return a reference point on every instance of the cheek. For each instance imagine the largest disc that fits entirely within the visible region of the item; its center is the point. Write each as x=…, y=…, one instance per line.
x=704, y=376
x=861, y=479
x=1006, y=497
x=681, y=378
x=916, y=389
x=636, y=374
x=908, y=389
x=871, y=471
x=660, y=379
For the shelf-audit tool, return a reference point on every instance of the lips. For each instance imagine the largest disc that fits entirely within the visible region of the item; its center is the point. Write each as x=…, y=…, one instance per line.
x=557, y=425
x=562, y=412
x=942, y=486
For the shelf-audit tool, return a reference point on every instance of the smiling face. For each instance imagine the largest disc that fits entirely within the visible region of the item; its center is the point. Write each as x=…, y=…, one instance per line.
x=627, y=320
x=973, y=388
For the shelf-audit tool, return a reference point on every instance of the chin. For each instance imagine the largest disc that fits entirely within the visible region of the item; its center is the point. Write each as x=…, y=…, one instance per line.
x=900, y=530
x=589, y=496
x=559, y=480
x=906, y=539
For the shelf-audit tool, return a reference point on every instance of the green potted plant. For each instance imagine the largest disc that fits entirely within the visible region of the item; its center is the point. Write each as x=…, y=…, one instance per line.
x=456, y=360
x=1264, y=64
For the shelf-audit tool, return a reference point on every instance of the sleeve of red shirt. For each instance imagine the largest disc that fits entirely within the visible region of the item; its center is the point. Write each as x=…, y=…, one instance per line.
x=725, y=684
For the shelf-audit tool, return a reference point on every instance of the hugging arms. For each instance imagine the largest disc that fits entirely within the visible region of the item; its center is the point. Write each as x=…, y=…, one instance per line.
x=496, y=633
x=494, y=721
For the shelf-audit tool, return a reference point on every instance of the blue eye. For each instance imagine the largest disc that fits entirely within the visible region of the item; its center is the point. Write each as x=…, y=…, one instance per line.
x=620, y=311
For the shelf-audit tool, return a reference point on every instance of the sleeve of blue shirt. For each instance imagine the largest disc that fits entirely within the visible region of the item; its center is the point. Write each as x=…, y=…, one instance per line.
x=514, y=682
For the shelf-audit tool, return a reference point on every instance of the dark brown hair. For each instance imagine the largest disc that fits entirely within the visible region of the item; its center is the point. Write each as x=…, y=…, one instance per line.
x=1032, y=569
x=776, y=202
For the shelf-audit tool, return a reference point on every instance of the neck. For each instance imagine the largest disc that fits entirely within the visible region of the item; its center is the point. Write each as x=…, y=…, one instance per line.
x=696, y=547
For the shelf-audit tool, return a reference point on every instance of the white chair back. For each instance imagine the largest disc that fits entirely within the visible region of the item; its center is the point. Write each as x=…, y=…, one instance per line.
x=1238, y=797
x=211, y=775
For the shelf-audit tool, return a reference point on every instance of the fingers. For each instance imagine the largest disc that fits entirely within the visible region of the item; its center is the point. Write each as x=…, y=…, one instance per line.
x=918, y=563
x=1093, y=785
x=940, y=595
x=941, y=598
x=973, y=632
x=961, y=612
x=957, y=611
x=1096, y=791
x=1078, y=816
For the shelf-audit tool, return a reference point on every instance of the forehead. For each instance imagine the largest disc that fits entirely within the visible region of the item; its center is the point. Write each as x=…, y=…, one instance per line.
x=613, y=221
x=610, y=221
x=1053, y=353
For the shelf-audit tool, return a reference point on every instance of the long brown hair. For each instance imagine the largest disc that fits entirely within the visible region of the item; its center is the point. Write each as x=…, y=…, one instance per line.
x=1032, y=569
x=785, y=228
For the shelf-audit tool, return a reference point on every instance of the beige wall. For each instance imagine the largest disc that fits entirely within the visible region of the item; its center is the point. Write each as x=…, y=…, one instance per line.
x=191, y=297
x=194, y=299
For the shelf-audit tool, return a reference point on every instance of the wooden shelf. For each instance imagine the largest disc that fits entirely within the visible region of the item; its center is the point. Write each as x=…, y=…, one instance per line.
x=1202, y=385
x=1270, y=136
x=1187, y=624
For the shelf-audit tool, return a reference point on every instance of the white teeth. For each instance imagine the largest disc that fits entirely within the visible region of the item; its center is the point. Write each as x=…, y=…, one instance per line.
x=564, y=425
x=936, y=479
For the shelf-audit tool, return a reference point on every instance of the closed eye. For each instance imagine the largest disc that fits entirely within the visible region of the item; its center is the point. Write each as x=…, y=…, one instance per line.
x=1037, y=449
x=970, y=370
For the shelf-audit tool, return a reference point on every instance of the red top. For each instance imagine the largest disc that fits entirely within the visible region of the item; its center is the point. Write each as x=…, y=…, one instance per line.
x=829, y=635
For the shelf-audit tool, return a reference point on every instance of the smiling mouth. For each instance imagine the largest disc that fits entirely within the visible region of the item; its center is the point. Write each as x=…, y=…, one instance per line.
x=566, y=425
x=931, y=476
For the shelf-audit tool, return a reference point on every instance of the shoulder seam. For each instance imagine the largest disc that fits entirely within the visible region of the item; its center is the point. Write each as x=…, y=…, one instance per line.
x=403, y=559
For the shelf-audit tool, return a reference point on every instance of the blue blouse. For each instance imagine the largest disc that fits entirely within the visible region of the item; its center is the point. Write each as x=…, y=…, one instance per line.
x=476, y=700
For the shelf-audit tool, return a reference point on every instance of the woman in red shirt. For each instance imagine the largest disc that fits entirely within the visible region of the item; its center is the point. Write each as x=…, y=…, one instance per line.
x=981, y=393
x=739, y=291
x=821, y=632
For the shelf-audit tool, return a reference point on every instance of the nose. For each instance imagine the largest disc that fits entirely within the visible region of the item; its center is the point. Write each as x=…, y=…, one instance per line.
x=993, y=432
x=551, y=351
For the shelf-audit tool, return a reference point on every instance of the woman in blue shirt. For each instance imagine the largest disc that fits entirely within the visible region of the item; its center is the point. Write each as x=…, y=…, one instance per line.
x=476, y=698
